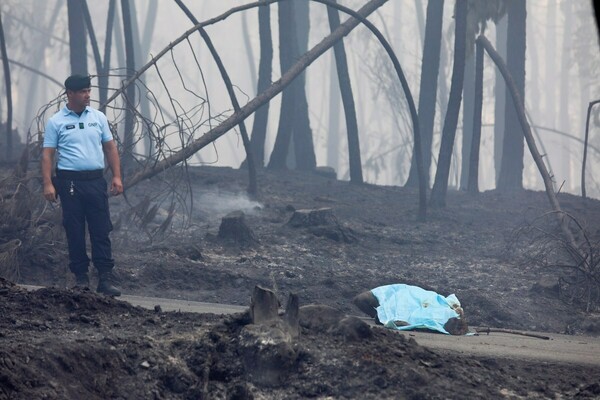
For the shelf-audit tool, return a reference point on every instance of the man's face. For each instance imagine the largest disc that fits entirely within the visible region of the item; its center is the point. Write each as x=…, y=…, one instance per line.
x=79, y=98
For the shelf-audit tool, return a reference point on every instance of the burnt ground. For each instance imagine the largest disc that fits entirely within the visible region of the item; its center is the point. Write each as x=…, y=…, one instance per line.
x=64, y=343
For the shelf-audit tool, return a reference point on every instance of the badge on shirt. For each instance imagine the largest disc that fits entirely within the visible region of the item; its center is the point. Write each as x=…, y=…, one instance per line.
x=81, y=125
x=70, y=127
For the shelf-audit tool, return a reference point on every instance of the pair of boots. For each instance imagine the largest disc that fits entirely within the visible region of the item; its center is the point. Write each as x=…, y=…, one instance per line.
x=105, y=285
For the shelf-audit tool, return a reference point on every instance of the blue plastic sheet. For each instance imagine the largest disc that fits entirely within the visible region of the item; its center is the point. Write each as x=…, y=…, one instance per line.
x=418, y=307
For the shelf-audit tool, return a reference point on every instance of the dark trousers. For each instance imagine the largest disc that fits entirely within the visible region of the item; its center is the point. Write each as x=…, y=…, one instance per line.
x=86, y=201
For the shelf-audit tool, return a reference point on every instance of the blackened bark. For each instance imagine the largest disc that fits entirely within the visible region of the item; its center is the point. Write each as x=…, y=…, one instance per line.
x=440, y=185
x=428, y=89
x=103, y=74
x=468, y=106
x=511, y=169
x=345, y=86
x=8, y=87
x=585, y=146
x=304, y=149
x=265, y=69
x=333, y=126
x=77, y=38
x=473, y=185
x=500, y=98
x=597, y=16
x=90, y=29
x=288, y=49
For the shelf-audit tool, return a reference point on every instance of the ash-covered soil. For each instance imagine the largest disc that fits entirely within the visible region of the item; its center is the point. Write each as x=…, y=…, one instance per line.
x=64, y=343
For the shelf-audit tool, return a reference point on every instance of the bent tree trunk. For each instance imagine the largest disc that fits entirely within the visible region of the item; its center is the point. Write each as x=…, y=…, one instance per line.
x=278, y=86
x=252, y=186
x=303, y=62
x=422, y=213
x=539, y=162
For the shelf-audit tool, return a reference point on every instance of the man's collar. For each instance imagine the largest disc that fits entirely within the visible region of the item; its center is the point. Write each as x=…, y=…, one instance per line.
x=67, y=110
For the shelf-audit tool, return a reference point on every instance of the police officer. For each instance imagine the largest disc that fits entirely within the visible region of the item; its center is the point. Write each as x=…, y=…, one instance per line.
x=80, y=136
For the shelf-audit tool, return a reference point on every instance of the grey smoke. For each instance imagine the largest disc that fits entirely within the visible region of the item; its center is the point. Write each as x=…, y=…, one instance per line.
x=216, y=204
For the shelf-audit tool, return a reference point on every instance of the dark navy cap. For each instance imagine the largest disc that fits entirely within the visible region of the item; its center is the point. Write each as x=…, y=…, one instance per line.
x=77, y=82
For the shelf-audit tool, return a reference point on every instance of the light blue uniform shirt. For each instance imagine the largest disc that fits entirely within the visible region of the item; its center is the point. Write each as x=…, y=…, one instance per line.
x=78, y=139
x=418, y=307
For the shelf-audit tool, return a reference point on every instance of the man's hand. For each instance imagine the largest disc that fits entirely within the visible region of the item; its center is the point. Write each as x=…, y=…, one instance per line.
x=50, y=192
x=47, y=161
x=116, y=186
x=112, y=156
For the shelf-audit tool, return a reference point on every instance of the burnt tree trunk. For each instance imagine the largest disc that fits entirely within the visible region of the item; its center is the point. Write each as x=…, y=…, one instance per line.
x=585, y=146
x=103, y=73
x=473, y=185
x=304, y=149
x=511, y=169
x=288, y=50
x=8, y=87
x=468, y=107
x=265, y=68
x=345, y=85
x=428, y=89
x=90, y=29
x=499, y=98
x=440, y=185
x=77, y=38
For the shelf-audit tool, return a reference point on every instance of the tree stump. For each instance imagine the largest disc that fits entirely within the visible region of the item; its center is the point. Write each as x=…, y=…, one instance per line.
x=233, y=226
x=327, y=172
x=291, y=318
x=267, y=344
x=264, y=306
x=307, y=218
x=322, y=223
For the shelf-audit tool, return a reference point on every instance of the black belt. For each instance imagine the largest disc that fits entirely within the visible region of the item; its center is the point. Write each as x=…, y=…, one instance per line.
x=79, y=175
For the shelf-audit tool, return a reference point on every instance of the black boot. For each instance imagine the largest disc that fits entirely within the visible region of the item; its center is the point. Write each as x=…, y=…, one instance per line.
x=105, y=285
x=82, y=281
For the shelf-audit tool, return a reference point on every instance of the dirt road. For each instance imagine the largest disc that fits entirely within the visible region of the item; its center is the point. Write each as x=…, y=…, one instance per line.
x=560, y=348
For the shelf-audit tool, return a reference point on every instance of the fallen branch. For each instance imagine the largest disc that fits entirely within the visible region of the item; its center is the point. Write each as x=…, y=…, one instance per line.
x=238, y=116
x=512, y=332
